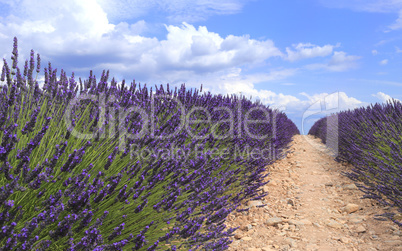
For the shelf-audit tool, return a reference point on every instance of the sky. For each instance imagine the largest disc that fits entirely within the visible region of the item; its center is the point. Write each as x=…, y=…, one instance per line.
x=308, y=58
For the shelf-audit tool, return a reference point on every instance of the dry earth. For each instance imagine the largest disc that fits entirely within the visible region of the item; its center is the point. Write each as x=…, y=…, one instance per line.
x=312, y=206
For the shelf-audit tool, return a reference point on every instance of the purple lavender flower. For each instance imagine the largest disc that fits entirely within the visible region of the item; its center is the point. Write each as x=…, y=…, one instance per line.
x=63, y=227
x=29, y=126
x=116, y=232
x=14, y=57
x=38, y=63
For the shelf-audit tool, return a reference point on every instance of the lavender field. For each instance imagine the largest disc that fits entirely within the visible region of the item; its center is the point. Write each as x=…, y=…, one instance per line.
x=98, y=165
x=93, y=165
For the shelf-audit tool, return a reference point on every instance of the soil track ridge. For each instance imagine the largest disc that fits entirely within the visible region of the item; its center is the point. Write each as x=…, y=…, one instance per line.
x=312, y=206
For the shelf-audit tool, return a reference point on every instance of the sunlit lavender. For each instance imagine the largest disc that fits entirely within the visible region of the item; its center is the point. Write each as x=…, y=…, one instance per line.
x=93, y=165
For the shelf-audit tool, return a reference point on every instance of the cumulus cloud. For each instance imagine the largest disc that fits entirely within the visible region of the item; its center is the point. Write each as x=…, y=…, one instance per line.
x=78, y=17
x=78, y=35
x=308, y=50
x=267, y=97
x=324, y=104
x=305, y=111
x=297, y=107
x=383, y=97
x=188, y=51
x=336, y=100
x=339, y=62
x=397, y=49
x=234, y=82
x=384, y=62
x=374, y=52
x=187, y=47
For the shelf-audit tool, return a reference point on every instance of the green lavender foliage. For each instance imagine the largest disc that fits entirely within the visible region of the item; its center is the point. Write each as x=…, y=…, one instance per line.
x=71, y=180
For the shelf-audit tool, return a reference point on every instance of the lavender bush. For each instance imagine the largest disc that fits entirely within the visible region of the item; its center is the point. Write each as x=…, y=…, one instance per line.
x=370, y=139
x=91, y=166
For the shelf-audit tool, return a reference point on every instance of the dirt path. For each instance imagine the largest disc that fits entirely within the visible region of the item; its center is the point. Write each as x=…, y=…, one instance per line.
x=311, y=206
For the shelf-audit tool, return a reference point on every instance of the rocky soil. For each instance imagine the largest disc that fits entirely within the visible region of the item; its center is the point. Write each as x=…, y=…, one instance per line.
x=312, y=206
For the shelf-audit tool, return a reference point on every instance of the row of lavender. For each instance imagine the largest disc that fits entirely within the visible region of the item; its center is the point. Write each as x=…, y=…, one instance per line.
x=370, y=139
x=93, y=166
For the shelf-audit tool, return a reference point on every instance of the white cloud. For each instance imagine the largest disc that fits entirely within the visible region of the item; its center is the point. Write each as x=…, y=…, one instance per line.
x=382, y=42
x=79, y=34
x=176, y=11
x=188, y=51
x=365, y=5
x=338, y=63
x=308, y=50
x=375, y=6
x=296, y=107
x=383, y=97
x=234, y=82
x=398, y=22
x=377, y=82
x=338, y=100
x=325, y=104
x=71, y=18
x=341, y=62
x=189, y=48
x=384, y=62
x=397, y=49
x=319, y=105
x=374, y=52
x=267, y=97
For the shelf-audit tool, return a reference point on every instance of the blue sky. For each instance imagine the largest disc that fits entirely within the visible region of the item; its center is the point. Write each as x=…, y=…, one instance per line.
x=293, y=55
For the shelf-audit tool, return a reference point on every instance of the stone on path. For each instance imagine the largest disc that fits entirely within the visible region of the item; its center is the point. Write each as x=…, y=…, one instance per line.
x=350, y=208
x=334, y=224
x=246, y=238
x=350, y=187
x=273, y=221
x=267, y=249
x=360, y=229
